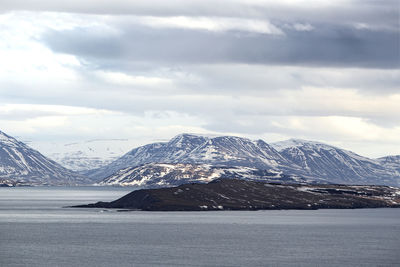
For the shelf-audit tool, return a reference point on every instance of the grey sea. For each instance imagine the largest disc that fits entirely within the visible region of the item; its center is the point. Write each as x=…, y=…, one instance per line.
x=35, y=230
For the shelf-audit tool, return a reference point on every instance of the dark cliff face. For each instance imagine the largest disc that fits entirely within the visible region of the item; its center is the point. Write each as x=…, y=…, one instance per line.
x=235, y=194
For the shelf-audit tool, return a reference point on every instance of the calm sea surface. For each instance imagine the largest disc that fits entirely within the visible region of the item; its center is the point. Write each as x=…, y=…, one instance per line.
x=36, y=231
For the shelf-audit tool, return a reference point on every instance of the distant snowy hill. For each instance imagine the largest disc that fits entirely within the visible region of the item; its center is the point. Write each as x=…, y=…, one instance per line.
x=85, y=155
x=300, y=158
x=335, y=164
x=171, y=174
x=20, y=164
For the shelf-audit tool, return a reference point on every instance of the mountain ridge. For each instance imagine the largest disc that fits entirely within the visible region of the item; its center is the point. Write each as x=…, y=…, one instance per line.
x=218, y=156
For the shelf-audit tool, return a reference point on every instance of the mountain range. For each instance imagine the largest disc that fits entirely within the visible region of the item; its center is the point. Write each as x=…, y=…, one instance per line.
x=197, y=158
x=310, y=160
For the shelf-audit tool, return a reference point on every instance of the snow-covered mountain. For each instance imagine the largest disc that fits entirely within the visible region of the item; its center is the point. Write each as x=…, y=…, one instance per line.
x=311, y=160
x=194, y=149
x=335, y=164
x=172, y=174
x=20, y=164
x=390, y=162
x=85, y=155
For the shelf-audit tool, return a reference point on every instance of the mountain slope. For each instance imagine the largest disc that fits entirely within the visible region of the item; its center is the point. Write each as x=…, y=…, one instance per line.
x=390, y=162
x=152, y=175
x=187, y=148
x=335, y=164
x=24, y=165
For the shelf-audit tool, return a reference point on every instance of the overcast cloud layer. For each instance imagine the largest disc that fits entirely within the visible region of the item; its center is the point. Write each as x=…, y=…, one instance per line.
x=146, y=70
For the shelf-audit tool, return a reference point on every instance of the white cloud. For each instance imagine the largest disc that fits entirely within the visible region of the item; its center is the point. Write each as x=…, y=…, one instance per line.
x=24, y=58
x=303, y=27
x=212, y=24
x=124, y=79
x=375, y=26
x=54, y=110
x=345, y=101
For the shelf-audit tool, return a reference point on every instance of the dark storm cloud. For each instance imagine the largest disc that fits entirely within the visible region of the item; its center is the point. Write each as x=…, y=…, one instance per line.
x=325, y=45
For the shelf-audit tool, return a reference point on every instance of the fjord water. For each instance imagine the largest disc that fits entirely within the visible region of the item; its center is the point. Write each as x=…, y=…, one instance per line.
x=37, y=231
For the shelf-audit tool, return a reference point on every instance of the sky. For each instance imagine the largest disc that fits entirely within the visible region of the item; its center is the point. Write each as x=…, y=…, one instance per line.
x=148, y=70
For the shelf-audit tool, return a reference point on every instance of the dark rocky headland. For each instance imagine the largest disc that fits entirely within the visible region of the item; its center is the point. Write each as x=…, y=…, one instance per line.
x=236, y=194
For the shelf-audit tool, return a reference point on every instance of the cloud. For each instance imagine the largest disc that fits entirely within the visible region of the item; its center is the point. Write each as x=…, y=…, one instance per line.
x=123, y=79
x=326, y=45
x=46, y=115
x=263, y=79
x=324, y=70
x=375, y=11
x=210, y=24
x=303, y=27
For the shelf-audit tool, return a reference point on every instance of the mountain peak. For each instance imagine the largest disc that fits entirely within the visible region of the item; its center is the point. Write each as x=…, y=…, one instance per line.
x=186, y=141
x=186, y=136
x=7, y=140
x=4, y=136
